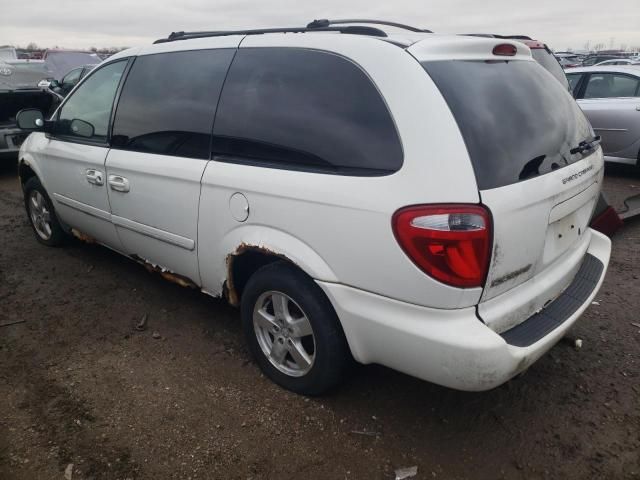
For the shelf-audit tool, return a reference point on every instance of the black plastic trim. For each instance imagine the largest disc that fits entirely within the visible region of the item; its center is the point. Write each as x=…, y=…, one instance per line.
x=354, y=30
x=557, y=312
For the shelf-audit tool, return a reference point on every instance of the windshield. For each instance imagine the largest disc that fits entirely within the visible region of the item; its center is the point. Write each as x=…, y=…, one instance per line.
x=516, y=120
x=61, y=63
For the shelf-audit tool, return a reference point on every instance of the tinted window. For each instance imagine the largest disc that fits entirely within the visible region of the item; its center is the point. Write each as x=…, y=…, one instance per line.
x=516, y=121
x=304, y=109
x=574, y=79
x=92, y=102
x=608, y=85
x=550, y=64
x=168, y=103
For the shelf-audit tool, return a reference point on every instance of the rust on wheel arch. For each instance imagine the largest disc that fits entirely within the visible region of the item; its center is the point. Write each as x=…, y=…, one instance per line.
x=229, y=288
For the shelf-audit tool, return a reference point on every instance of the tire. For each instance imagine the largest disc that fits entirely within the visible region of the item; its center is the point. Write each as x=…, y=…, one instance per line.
x=327, y=357
x=41, y=214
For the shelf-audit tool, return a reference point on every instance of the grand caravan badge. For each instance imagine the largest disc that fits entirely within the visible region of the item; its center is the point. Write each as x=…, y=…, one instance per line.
x=577, y=175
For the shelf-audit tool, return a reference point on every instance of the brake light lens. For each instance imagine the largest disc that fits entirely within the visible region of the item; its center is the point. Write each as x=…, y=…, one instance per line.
x=451, y=243
x=505, y=50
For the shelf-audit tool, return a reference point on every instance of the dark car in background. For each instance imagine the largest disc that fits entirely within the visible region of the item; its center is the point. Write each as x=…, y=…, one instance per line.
x=20, y=87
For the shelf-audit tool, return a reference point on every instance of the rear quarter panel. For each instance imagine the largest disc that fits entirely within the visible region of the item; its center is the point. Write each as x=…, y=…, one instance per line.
x=346, y=221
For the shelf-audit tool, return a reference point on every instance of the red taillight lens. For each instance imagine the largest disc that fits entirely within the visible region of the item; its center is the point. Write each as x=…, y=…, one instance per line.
x=451, y=243
x=505, y=50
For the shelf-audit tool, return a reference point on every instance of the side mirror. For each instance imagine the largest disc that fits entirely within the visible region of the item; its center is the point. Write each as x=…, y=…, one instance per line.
x=81, y=128
x=30, y=119
x=54, y=84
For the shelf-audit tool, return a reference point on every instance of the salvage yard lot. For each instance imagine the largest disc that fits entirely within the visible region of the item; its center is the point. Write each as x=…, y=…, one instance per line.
x=182, y=399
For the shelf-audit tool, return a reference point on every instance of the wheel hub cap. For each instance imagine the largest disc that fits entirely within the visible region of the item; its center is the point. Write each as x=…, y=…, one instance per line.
x=284, y=333
x=39, y=214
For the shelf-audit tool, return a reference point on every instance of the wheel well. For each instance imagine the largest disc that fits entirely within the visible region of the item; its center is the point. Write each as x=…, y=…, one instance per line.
x=25, y=172
x=241, y=265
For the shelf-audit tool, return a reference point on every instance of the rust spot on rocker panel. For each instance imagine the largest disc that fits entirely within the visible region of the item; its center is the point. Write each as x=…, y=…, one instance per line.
x=83, y=237
x=164, y=273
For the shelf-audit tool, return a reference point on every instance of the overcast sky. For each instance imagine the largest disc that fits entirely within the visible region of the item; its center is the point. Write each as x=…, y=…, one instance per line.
x=100, y=23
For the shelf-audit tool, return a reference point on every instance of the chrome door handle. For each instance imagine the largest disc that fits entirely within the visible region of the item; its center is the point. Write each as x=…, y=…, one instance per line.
x=94, y=176
x=118, y=183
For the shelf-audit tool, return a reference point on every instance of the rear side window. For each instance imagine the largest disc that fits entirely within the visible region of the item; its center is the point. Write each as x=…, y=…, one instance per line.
x=516, y=121
x=611, y=85
x=304, y=110
x=168, y=103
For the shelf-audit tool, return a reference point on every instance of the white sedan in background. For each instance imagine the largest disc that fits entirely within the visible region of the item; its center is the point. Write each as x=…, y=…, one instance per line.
x=610, y=98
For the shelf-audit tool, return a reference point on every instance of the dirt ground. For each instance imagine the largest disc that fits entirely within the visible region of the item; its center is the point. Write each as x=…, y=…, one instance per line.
x=79, y=385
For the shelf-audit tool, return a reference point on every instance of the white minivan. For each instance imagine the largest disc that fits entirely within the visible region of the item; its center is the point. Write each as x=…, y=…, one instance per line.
x=414, y=200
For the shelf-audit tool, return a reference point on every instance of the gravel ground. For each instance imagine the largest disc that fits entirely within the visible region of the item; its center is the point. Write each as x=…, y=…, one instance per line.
x=80, y=385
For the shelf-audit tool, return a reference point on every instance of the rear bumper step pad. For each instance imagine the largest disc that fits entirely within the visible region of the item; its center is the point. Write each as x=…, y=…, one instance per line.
x=552, y=316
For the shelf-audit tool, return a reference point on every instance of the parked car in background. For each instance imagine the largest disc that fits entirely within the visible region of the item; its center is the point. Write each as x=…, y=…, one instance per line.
x=20, y=88
x=610, y=98
x=592, y=60
x=8, y=53
x=569, y=62
x=235, y=165
x=70, y=80
x=618, y=61
x=61, y=62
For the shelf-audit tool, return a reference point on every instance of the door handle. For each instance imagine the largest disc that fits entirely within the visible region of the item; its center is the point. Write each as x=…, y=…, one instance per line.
x=118, y=183
x=94, y=176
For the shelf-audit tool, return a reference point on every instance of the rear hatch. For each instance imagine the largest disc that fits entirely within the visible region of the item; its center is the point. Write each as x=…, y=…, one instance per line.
x=524, y=133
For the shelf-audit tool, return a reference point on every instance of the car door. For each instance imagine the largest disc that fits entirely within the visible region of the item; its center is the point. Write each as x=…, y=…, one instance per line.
x=611, y=101
x=73, y=161
x=160, y=148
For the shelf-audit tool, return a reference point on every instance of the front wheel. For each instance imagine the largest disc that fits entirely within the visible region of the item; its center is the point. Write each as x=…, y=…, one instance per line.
x=293, y=331
x=41, y=214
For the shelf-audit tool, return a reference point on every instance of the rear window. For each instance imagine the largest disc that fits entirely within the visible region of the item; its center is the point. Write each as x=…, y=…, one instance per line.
x=516, y=121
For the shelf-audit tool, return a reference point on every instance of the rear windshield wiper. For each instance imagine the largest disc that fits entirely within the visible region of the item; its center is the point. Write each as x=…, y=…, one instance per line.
x=584, y=145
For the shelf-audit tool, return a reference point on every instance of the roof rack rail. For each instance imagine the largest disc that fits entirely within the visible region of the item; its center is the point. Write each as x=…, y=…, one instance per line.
x=354, y=29
x=324, y=23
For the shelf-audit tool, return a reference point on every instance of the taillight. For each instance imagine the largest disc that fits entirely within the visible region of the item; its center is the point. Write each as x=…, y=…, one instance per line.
x=505, y=50
x=451, y=243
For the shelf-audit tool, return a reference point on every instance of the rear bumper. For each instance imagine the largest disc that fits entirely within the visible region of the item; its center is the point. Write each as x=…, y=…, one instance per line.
x=449, y=347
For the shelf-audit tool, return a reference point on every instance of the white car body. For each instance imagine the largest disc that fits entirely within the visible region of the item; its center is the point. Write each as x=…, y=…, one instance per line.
x=192, y=217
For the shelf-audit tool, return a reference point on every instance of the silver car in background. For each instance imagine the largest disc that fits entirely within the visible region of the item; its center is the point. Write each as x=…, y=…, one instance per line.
x=610, y=98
